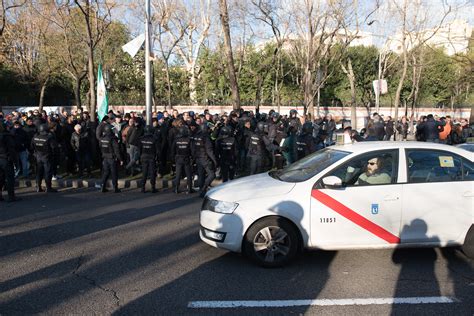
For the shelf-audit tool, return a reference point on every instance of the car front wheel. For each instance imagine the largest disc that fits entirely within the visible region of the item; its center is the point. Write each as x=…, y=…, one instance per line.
x=271, y=242
x=468, y=247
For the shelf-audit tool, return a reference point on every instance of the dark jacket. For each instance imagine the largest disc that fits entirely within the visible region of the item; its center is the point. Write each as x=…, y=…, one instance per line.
x=133, y=135
x=431, y=129
x=20, y=138
x=80, y=142
x=7, y=147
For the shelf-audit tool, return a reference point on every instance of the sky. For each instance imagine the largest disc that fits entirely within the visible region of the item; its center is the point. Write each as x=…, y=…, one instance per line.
x=382, y=23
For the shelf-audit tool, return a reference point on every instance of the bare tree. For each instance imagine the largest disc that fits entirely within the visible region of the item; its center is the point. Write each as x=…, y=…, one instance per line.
x=164, y=27
x=97, y=18
x=30, y=48
x=412, y=18
x=319, y=26
x=5, y=6
x=71, y=49
x=269, y=12
x=194, y=23
x=234, y=86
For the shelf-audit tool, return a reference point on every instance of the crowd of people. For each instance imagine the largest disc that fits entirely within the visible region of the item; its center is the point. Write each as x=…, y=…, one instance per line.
x=185, y=145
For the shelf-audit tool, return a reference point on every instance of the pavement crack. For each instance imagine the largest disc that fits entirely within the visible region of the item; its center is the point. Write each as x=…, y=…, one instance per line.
x=92, y=281
x=80, y=262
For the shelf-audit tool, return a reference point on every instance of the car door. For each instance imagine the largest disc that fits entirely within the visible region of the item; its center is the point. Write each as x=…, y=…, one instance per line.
x=438, y=197
x=358, y=214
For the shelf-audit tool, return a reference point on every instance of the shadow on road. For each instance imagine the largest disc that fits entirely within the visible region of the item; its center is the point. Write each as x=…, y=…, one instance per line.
x=234, y=277
x=417, y=273
x=65, y=231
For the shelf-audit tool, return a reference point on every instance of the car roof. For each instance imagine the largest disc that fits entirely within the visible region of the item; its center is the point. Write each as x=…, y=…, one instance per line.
x=361, y=147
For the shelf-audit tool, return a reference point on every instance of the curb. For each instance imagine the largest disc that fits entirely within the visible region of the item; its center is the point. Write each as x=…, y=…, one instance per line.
x=93, y=183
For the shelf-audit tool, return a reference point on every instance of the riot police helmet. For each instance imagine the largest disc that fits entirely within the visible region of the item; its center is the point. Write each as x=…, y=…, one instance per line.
x=260, y=127
x=183, y=131
x=307, y=128
x=107, y=130
x=293, y=113
x=225, y=131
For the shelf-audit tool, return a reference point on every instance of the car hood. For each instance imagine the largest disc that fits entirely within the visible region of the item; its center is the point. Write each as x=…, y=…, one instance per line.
x=256, y=186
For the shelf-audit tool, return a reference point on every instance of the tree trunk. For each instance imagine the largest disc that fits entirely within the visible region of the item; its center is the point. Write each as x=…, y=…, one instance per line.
x=86, y=11
x=92, y=100
x=349, y=71
x=230, y=58
x=471, y=117
x=277, y=86
x=192, y=89
x=405, y=63
x=42, y=92
x=168, y=83
x=258, y=92
x=77, y=91
x=308, y=92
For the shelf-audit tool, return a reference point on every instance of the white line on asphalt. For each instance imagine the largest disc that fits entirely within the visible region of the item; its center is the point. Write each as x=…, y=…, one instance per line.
x=324, y=302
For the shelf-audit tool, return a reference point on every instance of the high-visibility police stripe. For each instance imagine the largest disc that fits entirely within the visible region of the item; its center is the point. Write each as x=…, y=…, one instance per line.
x=355, y=217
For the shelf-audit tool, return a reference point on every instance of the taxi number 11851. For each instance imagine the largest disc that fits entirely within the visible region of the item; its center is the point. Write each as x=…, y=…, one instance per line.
x=327, y=220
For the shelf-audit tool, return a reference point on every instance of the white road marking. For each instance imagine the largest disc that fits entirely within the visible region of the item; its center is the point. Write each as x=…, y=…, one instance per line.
x=324, y=302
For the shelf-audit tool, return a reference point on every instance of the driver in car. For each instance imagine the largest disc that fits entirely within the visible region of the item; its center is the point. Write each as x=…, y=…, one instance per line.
x=374, y=173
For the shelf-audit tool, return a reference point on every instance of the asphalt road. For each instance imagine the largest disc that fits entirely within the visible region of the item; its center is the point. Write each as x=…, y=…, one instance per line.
x=83, y=252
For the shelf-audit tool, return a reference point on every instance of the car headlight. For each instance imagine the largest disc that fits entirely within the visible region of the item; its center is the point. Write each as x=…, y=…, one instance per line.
x=219, y=206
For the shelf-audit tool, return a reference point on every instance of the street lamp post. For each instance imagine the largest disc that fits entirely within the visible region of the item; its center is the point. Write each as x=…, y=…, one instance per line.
x=379, y=75
x=379, y=78
x=147, y=62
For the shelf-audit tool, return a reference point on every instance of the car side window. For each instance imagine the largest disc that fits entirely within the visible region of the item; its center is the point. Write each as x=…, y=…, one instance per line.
x=467, y=170
x=380, y=167
x=433, y=166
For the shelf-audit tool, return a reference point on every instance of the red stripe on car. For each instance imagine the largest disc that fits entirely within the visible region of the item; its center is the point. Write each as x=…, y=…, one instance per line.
x=355, y=217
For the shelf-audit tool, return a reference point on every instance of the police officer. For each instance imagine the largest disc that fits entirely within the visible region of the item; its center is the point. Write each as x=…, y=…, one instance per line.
x=227, y=153
x=181, y=153
x=44, y=145
x=149, y=148
x=258, y=149
x=203, y=156
x=305, y=143
x=7, y=156
x=280, y=135
x=294, y=120
x=110, y=154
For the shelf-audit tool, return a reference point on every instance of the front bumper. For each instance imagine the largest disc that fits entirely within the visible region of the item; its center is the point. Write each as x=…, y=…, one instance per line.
x=228, y=224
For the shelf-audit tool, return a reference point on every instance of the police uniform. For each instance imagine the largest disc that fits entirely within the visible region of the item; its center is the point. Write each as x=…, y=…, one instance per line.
x=7, y=156
x=181, y=152
x=227, y=156
x=204, y=157
x=149, y=149
x=258, y=149
x=44, y=145
x=305, y=143
x=110, y=150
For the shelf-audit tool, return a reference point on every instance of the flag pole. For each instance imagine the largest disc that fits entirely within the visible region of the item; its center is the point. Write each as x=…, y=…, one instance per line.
x=147, y=62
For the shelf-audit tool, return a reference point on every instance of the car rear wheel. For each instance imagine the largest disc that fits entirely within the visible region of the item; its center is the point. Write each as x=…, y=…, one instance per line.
x=468, y=247
x=271, y=242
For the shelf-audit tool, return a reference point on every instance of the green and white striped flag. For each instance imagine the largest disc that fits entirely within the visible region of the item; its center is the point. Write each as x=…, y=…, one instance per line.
x=102, y=100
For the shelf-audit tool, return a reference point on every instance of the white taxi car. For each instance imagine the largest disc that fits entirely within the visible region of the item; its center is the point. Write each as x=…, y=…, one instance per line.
x=363, y=195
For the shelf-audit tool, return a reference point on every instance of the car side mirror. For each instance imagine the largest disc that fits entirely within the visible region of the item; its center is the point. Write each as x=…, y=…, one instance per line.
x=332, y=182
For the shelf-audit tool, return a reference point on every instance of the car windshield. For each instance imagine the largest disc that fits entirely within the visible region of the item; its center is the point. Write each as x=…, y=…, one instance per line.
x=309, y=166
